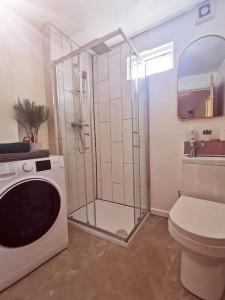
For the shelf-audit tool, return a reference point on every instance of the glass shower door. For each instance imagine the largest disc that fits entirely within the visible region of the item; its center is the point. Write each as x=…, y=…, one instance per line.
x=74, y=94
x=140, y=139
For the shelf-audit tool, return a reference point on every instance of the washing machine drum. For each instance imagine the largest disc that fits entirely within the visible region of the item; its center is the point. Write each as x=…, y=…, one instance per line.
x=27, y=211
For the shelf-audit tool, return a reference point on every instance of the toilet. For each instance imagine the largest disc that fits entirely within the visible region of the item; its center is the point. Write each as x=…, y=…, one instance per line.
x=197, y=223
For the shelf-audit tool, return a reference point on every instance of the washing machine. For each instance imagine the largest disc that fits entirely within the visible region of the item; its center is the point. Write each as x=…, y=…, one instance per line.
x=33, y=215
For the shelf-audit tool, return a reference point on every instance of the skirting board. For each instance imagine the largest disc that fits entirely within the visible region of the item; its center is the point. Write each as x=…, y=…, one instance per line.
x=159, y=212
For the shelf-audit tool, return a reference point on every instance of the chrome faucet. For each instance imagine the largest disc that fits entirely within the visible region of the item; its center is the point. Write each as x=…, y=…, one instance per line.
x=193, y=148
x=193, y=142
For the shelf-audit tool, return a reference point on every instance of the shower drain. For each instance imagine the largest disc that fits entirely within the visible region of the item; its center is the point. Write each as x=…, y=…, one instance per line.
x=122, y=232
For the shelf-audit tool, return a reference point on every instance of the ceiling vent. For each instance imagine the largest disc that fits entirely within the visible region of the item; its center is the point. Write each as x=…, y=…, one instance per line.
x=204, y=11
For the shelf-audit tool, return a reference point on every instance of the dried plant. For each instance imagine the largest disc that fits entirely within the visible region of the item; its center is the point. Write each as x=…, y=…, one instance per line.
x=30, y=116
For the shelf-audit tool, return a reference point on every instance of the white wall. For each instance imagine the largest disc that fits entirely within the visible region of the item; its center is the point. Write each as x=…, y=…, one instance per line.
x=21, y=74
x=167, y=132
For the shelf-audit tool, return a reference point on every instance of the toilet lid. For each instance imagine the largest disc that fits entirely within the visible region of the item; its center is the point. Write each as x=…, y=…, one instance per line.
x=199, y=219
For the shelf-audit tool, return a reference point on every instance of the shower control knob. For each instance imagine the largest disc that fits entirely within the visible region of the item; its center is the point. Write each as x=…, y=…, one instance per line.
x=27, y=167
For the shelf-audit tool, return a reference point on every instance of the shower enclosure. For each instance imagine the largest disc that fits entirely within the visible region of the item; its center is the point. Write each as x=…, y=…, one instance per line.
x=102, y=107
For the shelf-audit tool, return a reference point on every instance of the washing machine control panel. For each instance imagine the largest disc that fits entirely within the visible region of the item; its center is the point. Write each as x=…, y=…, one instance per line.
x=43, y=165
x=40, y=165
x=14, y=169
x=8, y=171
x=28, y=167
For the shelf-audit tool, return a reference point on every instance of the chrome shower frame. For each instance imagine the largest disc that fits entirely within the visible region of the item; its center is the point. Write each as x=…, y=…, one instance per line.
x=80, y=125
x=96, y=42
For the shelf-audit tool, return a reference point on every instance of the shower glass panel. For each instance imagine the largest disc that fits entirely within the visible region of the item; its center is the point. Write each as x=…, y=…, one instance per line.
x=104, y=128
x=75, y=123
x=140, y=138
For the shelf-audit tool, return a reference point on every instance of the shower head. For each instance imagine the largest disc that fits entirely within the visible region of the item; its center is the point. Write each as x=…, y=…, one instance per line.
x=101, y=48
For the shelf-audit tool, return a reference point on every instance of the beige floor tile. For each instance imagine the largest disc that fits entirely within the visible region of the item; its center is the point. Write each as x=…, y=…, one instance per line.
x=95, y=269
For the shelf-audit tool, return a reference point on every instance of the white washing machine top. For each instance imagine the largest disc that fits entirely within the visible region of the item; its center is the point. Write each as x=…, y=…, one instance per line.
x=200, y=220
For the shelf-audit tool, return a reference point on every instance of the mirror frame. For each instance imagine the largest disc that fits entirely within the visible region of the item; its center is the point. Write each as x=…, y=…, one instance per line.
x=178, y=63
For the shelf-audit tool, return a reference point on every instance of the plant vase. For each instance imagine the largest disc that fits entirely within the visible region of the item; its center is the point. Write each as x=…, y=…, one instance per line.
x=35, y=146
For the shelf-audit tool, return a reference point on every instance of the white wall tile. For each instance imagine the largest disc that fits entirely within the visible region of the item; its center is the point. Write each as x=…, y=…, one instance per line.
x=86, y=113
x=72, y=169
x=82, y=202
x=103, y=97
x=95, y=79
x=94, y=57
x=90, y=191
x=105, y=132
x=118, y=193
x=81, y=182
x=106, y=181
x=116, y=120
x=60, y=88
x=128, y=180
x=143, y=166
x=103, y=67
x=105, y=148
x=126, y=98
x=97, y=132
x=73, y=198
x=88, y=165
x=125, y=52
x=115, y=76
x=117, y=162
x=70, y=139
x=64, y=147
x=96, y=108
x=67, y=75
x=99, y=195
x=62, y=122
x=127, y=142
x=69, y=107
x=80, y=160
x=98, y=154
x=105, y=145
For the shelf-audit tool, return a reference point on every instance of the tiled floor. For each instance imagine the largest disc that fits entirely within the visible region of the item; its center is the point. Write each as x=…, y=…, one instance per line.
x=95, y=269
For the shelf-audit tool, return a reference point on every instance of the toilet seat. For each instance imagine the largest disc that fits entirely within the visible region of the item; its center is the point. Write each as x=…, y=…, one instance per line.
x=199, y=225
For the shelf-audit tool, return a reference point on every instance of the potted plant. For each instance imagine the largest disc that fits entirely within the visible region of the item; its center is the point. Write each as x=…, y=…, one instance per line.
x=207, y=133
x=30, y=116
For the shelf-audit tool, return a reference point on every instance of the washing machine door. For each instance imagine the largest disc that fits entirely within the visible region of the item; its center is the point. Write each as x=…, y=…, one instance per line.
x=27, y=211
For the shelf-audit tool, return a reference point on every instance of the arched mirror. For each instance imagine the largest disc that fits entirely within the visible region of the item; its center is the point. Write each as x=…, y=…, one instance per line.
x=201, y=79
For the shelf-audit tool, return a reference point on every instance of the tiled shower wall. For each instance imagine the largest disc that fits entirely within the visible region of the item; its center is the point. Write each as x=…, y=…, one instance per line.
x=80, y=164
x=113, y=123
x=64, y=101
x=111, y=119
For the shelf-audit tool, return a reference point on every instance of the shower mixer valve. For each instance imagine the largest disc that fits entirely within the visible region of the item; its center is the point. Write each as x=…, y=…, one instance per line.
x=79, y=125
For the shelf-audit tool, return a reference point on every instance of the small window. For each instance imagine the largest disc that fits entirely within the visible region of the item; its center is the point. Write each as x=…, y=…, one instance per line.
x=156, y=60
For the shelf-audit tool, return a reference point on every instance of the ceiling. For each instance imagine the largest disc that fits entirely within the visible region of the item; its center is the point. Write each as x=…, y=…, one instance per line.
x=90, y=19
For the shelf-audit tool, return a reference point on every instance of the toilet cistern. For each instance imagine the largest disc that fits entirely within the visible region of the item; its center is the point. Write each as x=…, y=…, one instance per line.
x=197, y=223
